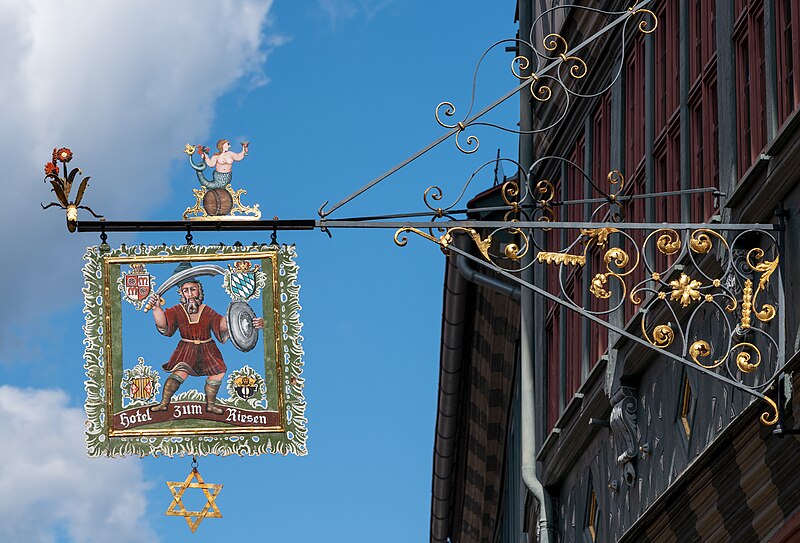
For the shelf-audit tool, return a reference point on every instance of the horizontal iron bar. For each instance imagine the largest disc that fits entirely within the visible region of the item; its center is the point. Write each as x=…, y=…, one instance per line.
x=311, y=224
x=422, y=225
x=195, y=226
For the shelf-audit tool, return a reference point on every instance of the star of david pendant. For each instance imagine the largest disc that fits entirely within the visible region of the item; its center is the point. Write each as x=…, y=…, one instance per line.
x=193, y=518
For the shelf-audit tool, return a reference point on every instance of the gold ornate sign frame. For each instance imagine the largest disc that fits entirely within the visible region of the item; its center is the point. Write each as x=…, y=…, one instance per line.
x=265, y=409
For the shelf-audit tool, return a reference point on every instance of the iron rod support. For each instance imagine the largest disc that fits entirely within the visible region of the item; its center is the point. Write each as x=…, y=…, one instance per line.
x=637, y=196
x=195, y=226
x=540, y=225
x=525, y=206
x=466, y=123
x=311, y=224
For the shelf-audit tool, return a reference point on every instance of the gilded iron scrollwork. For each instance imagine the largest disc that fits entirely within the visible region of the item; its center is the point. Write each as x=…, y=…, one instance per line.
x=545, y=70
x=447, y=238
x=738, y=349
x=527, y=199
x=237, y=210
x=678, y=278
x=675, y=302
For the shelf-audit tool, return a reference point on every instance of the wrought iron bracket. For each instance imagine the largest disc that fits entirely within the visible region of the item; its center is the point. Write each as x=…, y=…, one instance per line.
x=557, y=66
x=691, y=357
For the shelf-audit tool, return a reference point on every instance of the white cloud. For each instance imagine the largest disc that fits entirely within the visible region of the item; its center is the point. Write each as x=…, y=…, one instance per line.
x=125, y=85
x=49, y=485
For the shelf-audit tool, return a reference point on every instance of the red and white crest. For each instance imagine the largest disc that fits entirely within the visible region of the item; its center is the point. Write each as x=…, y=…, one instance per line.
x=136, y=285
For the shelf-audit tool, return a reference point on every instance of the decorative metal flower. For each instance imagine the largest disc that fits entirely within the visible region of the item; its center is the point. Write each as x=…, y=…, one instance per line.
x=63, y=154
x=62, y=186
x=685, y=289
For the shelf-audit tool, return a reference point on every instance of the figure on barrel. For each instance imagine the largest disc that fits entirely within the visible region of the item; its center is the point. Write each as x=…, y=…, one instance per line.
x=196, y=353
x=217, y=199
x=222, y=162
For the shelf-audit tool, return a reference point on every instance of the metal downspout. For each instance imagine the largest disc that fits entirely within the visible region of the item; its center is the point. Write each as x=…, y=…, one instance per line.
x=450, y=379
x=473, y=276
x=546, y=527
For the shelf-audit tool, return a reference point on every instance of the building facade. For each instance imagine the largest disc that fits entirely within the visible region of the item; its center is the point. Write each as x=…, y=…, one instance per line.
x=627, y=445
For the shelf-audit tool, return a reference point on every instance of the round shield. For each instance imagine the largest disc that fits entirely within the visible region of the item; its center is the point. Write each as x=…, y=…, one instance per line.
x=240, y=325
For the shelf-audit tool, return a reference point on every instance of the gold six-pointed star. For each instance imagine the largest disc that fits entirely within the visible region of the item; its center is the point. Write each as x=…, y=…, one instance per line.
x=193, y=518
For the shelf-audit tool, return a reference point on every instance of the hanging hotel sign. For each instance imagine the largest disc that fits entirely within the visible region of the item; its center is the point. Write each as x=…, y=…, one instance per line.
x=193, y=350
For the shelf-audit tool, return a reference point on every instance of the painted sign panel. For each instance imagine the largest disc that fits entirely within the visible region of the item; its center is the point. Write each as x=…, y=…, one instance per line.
x=193, y=350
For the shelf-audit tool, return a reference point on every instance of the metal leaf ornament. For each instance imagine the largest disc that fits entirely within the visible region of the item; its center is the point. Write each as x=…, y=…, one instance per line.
x=62, y=186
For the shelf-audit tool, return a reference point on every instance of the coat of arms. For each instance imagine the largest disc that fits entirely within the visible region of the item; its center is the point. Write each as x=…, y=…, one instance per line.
x=139, y=384
x=136, y=285
x=243, y=281
x=247, y=388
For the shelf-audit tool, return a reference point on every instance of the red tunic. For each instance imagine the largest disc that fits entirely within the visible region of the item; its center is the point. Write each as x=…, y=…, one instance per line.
x=196, y=353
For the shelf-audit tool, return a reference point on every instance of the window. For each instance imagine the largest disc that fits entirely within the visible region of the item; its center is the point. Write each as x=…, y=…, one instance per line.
x=667, y=70
x=634, y=173
x=787, y=21
x=704, y=159
x=601, y=166
x=553, y=366
x=696, y=40
x=592, y=518
x=686, y=408
x=704, y=172
x=703, y=37
x=576, y=183
x=748, y=35
x=601, y=148
x=666, y=151
x=667, y=178
x=554, y=356
x=574, y=340
x=634, y=109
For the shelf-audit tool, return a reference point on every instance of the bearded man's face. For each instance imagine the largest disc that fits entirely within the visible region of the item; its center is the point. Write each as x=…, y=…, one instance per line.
x=191, y=297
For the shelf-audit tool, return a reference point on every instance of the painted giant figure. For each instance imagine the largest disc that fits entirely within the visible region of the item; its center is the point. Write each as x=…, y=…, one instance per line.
x=196, y=353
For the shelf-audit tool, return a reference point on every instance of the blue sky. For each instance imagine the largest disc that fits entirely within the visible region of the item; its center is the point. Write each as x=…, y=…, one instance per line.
x=330, y=93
